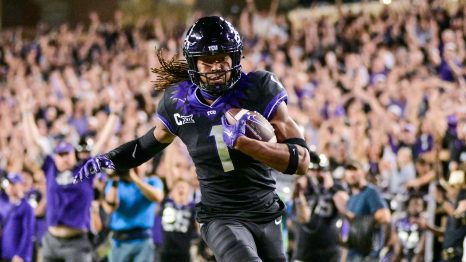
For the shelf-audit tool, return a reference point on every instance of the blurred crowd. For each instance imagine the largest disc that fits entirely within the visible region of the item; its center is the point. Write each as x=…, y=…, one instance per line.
x=384, y=89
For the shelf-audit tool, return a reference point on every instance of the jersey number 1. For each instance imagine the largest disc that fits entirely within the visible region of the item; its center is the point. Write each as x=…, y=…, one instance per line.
x=222, y=148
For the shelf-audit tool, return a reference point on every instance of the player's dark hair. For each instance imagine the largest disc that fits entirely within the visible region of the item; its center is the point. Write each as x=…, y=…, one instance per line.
x=169, y=72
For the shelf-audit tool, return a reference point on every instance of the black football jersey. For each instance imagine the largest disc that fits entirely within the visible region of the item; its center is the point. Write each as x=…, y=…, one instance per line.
x=233, y=185
x=178, y=226
x=321, y=232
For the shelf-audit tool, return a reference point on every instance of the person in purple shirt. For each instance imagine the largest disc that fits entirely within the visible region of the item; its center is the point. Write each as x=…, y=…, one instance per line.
x=68, y=208
x=36, y=198
x=68, y=205
x=18, y=227
x=450, y=67
x=4, y=203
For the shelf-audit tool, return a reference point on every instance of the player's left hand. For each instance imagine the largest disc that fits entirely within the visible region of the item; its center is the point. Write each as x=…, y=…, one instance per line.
x=232, y=132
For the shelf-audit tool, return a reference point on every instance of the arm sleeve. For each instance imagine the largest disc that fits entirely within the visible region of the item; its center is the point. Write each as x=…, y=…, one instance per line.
x=136, y=152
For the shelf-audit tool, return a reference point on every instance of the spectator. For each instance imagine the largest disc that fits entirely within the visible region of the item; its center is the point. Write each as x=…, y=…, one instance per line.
x=424, y=176
x=409, y=237
x=4, y=203
x=454, y=203
x=365, y=205
x=455, y=231
x=67, y=223
x=18, y=226
x=132, y=199
x=458, y=147
x=318, y=202
x=35, y=195
x=179, y=227
x=100, y=220
x=406, y=172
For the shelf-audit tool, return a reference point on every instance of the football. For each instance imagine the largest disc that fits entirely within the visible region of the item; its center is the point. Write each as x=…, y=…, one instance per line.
x=258, y=128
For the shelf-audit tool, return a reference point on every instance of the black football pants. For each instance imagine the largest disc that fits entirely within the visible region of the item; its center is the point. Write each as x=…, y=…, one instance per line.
x=233, y=241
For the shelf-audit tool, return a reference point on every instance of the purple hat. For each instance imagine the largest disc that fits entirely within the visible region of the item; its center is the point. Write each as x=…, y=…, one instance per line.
x=64, y=147
x=15, y=178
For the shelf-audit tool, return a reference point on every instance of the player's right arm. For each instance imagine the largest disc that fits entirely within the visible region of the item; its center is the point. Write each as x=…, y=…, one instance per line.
x=139, y=150
x=130, y=154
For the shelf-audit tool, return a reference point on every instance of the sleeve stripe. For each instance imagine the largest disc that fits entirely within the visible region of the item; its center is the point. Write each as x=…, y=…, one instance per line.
x=166, y=123
x=282, y=96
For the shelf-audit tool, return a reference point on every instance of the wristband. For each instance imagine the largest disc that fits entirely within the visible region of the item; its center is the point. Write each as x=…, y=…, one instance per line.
x=293, y=161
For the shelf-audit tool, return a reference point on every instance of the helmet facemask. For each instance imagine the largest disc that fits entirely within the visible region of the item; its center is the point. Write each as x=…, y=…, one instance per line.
x=215, y=89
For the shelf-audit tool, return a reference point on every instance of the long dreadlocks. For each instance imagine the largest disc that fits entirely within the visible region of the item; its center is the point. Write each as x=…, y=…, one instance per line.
x=170, y=71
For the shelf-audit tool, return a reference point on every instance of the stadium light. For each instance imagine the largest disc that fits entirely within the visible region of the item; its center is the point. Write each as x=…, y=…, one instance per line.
x=386, y=2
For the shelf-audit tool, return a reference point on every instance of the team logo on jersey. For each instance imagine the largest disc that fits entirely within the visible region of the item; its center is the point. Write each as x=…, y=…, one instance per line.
x=211, y=112
x=181, y=120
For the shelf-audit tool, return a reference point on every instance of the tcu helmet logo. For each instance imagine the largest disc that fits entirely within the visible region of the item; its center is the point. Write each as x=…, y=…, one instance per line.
x=213, y=47
x=181, y=120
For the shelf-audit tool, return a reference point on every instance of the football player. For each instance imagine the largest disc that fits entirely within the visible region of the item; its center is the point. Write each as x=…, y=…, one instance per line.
x=239, y=211
x=319, y=201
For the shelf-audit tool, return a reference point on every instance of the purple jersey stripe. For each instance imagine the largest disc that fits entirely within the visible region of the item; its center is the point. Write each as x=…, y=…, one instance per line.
x=166, y=123
x=282, y=96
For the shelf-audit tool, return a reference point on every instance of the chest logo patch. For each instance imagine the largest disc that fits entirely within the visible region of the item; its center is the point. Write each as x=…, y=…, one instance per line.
x=181, y=120
x=213, y=47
